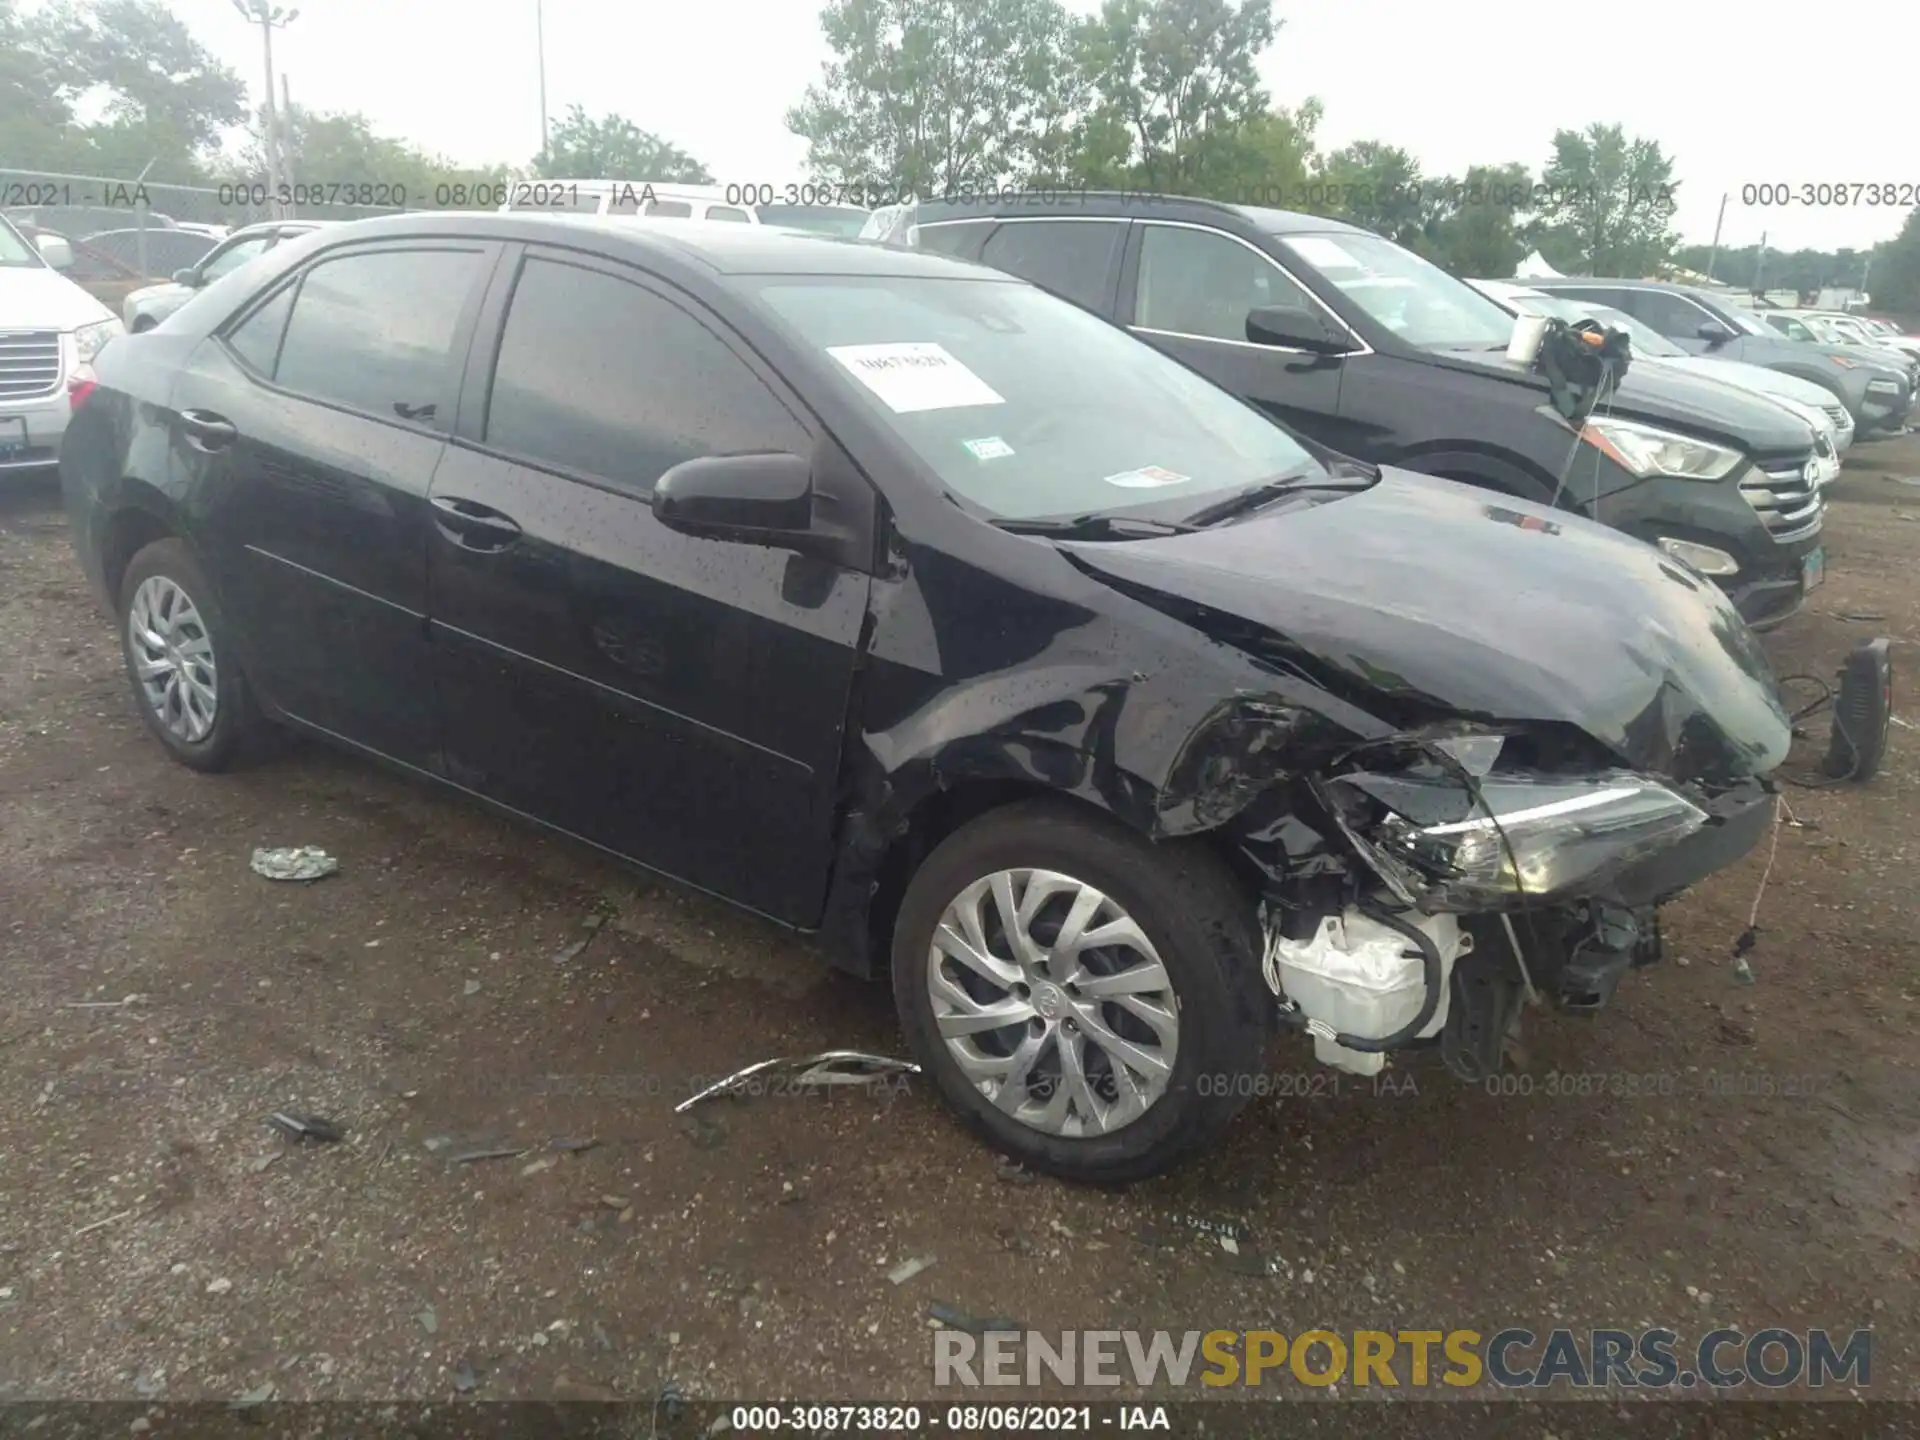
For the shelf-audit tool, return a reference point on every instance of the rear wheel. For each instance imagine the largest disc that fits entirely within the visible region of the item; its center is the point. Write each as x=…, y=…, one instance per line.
x=179, y=656
x=1089, y=1003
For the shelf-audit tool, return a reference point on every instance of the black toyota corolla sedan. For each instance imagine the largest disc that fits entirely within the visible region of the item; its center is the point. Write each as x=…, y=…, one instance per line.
x=897, y=601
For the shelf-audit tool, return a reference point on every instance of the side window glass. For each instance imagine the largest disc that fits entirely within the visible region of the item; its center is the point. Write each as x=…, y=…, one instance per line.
x=951, y=239
x=375, y=331
x=1071, y=258
x=256, y=340
x=600, y=376
x=1672, y=315
x=234, y=258
x=1200, y=282
x=670, y=209
x=726, y=212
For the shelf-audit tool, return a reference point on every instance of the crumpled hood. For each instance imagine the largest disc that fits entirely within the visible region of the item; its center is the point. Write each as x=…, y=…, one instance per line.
x=1419, y=595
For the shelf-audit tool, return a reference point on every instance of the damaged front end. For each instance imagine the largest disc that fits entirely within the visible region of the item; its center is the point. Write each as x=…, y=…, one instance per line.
x=1420, y=889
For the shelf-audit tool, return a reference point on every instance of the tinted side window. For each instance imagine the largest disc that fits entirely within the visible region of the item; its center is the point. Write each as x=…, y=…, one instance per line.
x=1072, y=258
x=256, y=339
x=1674, y=316
x=671, y=209
x=726, y=212
x=1200, y=282
x=602, y=377
x=958, y=240
x=375, y=331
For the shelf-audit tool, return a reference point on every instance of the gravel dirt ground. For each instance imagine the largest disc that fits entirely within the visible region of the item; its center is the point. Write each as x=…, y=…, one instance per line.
x=1740, y=1155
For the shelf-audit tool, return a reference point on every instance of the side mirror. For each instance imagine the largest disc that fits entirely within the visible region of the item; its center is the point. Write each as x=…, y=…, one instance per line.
x=55, y=250
x=1298, y=329
x=1714, y=333
x=190, y=277
x=764, y=499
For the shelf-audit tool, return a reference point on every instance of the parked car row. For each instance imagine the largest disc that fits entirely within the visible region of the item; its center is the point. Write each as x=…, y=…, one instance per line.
x=1831, y=424
x=1100, y=671
x=1373, y=353
x=1876, y=387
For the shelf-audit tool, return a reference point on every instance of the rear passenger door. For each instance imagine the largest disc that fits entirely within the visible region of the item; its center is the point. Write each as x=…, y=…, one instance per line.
x=679, y=701
x=309, y=427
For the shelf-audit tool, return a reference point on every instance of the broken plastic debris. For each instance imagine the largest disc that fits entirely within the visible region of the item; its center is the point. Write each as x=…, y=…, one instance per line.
x=591, y=926
x=306, y=1127
x=907, y=1269
x=829, y=1067
x=259, y=1395
x=1013, y=1172
x=464, y=1378
x=1227, y=1229
x=955, y=1318
x=294, y=862
x=474, y=1157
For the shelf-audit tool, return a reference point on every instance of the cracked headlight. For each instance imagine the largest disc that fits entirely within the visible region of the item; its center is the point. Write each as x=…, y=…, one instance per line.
x=1437, y=847
x=1644, y=451
x=88, y=339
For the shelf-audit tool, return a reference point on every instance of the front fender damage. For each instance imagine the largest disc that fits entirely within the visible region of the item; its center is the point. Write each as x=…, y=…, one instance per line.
x=1183, y=739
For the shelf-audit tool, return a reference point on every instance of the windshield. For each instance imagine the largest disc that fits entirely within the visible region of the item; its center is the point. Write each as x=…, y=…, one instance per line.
x=1027, y=406
x=1417, y=301
x=846, y=220
x=1751, y=323
x=14, y=249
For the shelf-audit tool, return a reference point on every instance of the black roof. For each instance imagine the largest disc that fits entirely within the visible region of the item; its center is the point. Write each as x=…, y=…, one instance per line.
x=1040, y=201
x=722, y=247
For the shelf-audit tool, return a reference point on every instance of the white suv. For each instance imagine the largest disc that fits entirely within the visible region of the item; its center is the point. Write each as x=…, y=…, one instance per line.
x=50, y=330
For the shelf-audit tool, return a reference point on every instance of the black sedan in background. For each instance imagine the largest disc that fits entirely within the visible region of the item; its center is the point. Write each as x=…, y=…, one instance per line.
x=898, y=601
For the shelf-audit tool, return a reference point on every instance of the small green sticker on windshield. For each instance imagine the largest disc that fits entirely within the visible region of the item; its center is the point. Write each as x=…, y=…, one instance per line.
x=991, y=448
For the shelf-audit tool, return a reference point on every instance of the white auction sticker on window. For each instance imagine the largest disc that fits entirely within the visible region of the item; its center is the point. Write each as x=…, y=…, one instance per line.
x=1147, y=477
x=991, y=448
x=915, y=376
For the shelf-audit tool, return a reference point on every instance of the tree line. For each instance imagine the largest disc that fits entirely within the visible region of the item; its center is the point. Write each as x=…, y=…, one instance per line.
x=937, y=97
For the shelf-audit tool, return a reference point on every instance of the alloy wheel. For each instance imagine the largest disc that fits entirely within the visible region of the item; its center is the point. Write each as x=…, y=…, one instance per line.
x=1053, y=1002
x=173, y=658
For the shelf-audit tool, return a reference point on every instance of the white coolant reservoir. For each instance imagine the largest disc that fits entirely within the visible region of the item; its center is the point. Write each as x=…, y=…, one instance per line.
x=1359, y=977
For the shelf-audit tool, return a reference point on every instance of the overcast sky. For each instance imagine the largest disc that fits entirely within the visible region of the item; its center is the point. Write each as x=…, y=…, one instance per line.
x=1729, y=93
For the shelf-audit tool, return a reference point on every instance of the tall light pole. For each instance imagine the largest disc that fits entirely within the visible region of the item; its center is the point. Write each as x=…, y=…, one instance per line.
x=1714, y=254
x=269, y=17
x=540, y=50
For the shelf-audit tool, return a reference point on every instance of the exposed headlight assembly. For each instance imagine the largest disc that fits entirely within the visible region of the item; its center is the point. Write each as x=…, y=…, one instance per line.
x=1438, y=847
x=88, y=339
x=1645, y=451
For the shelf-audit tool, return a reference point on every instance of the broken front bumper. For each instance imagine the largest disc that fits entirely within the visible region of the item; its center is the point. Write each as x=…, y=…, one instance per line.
x=1738, y=819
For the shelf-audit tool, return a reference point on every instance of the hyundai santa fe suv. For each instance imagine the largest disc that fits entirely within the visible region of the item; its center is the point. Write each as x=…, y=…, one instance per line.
x=1370, y=351
x=906, y=605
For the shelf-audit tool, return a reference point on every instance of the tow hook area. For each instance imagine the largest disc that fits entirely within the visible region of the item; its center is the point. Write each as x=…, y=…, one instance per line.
x=1615, y=940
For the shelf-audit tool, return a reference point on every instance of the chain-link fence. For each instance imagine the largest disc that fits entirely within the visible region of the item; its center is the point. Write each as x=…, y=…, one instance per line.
x=125, y=233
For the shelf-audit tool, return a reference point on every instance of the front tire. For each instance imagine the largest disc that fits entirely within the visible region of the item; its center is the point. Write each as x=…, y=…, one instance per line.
x=1091, y=1004
x=180, y=658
